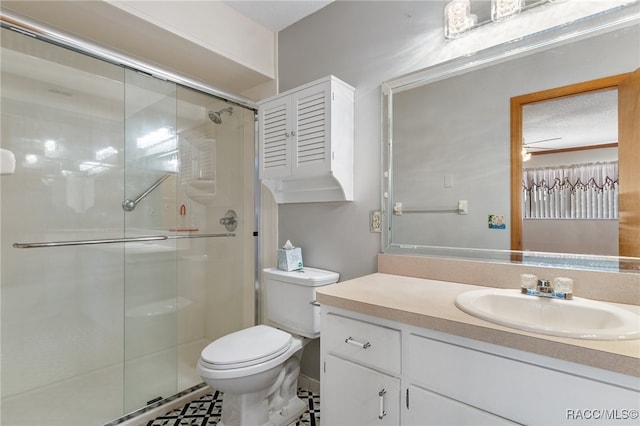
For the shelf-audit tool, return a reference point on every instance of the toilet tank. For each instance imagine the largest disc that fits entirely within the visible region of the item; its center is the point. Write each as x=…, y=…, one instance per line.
x=290, y=297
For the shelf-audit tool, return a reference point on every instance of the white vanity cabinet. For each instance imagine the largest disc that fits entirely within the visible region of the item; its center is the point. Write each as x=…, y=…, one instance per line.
x=306, y=138
x=360, y=372
x=449, y=380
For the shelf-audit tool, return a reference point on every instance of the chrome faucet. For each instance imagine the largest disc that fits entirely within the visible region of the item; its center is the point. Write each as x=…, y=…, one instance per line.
x=545, y=289
x=544, y=286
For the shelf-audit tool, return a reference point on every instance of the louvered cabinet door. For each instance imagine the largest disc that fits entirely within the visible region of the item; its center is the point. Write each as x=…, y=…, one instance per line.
x=275, y=138
x=311, y=145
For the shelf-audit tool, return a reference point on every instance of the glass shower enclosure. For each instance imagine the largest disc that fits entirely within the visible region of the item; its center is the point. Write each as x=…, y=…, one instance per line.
x=126, y=240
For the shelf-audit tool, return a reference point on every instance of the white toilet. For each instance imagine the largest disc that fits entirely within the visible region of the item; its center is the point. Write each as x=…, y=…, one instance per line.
x=257, y=368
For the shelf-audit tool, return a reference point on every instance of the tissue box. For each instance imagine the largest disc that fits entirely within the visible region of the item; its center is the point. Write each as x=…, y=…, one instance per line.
x=290, y=260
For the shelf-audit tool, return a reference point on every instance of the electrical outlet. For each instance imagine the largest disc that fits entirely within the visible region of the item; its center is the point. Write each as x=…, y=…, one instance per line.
x=375, y=221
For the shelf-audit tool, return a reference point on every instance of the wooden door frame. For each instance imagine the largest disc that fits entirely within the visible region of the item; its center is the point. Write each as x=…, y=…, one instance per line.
x=517, y=103
x=629, y=166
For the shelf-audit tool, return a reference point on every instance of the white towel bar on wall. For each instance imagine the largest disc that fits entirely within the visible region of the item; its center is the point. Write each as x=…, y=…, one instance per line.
x=460, y=209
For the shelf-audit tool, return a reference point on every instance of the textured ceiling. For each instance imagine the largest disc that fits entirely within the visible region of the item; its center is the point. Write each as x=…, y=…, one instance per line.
x=581, y=120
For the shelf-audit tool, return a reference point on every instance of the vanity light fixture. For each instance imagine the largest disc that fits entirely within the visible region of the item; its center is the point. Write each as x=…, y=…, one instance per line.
x=504, y=9
x=458, y=18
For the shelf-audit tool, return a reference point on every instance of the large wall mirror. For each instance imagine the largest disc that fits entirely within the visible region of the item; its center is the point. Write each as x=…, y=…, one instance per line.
x=453, y=149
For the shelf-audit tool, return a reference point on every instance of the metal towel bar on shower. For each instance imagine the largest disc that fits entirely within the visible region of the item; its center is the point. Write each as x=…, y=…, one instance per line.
x=116, y=240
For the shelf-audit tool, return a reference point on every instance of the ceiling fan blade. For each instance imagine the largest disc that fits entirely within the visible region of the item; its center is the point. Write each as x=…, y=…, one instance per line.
x=539, y=147
x=541, y=140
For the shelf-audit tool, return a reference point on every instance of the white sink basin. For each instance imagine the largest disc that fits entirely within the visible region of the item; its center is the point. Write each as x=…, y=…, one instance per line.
x=578, y=318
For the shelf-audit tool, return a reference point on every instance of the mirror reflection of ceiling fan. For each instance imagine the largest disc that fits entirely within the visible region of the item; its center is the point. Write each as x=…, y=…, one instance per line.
x=528, y=149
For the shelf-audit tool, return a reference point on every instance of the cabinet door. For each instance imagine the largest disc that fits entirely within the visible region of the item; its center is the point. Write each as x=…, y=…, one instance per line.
x=275, y=138
x=425, y=408
x=354, y=395
x=312, y=132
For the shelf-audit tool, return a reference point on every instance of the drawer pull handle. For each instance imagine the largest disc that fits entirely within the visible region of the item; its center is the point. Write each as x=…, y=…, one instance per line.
x=350, y=341
x=381, y=412
x=314, y=303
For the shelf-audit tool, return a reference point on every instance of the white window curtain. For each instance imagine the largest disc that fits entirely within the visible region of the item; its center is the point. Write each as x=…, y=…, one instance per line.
x=578, y=191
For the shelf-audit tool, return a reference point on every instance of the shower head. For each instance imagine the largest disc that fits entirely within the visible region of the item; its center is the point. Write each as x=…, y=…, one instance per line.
x=216, y=117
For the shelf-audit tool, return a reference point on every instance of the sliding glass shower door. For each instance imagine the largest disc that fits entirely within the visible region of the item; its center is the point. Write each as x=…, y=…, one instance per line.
x=62, y=305
x=116, y=270
x=150, y=268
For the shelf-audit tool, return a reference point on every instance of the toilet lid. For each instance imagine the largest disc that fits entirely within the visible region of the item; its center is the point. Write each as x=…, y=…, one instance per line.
x=246, y=347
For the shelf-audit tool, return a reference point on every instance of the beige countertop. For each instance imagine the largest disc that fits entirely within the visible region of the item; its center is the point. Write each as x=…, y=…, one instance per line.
x=430, y=304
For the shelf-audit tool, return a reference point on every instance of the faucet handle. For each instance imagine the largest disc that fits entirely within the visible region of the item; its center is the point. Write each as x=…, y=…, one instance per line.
x=563, y=285
x=528, y=281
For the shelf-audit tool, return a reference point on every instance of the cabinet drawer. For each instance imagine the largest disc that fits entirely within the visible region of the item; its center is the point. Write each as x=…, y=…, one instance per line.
x=362, y=342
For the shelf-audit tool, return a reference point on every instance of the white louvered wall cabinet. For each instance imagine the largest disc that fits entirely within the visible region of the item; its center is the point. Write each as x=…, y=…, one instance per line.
x=306, y=142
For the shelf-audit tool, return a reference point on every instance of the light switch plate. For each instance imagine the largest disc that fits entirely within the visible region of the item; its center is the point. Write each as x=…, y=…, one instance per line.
x=448, y=181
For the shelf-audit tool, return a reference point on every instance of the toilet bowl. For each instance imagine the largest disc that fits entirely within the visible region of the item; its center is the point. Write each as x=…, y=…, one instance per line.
x=257, y=368
x=248, y=366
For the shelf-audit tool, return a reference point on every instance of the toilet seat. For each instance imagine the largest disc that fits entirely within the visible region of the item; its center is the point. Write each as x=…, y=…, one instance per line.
x=247, y=347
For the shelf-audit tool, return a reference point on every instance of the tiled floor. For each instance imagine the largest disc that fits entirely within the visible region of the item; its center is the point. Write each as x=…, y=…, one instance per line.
x=206, y=412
